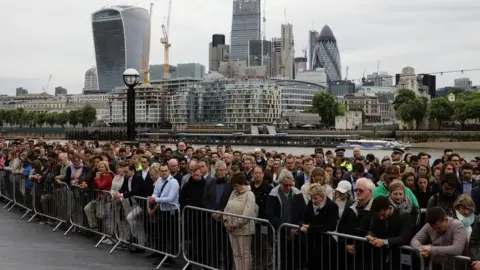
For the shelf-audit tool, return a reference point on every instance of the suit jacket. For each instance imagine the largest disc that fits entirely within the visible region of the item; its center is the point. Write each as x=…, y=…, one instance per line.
x=210, y=196
x=299, y=180
x=147, y=184
x=137, y=187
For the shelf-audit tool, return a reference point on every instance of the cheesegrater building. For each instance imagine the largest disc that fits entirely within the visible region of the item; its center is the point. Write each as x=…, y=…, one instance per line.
x=120, y=36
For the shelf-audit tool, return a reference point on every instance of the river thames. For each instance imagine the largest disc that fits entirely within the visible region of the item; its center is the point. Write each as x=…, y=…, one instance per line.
x=434, y=152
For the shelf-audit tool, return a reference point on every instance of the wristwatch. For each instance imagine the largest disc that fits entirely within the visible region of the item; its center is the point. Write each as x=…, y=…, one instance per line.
x=385, y=242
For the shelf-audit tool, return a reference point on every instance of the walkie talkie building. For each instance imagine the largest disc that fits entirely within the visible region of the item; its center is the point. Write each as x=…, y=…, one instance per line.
x=120, y=36
x=246, y=25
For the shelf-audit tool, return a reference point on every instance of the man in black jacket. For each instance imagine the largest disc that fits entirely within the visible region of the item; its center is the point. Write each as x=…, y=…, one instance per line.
x=388, y=230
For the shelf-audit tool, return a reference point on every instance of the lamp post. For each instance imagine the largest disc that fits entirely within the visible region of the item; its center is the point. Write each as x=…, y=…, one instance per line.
x=131, y=79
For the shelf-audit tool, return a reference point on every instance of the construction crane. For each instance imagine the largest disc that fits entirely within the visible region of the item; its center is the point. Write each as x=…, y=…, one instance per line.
x=166, y=45
x=45, y=88
x=346, y=74
x=264, y=27
x=146, y=58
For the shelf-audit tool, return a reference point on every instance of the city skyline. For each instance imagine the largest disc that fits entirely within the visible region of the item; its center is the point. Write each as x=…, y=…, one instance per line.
x=439, y=38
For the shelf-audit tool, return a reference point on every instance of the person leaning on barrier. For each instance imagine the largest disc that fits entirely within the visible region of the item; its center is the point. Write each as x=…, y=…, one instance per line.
x=474, y=244
x=241, y=202
x=356, y=221
x=166, y=194
x=441, y=237
x=390, y=228
x=65, y=163
x=320, y=216
x=393, y=173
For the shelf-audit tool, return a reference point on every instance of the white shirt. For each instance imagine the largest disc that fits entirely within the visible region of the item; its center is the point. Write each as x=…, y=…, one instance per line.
x=144, y=173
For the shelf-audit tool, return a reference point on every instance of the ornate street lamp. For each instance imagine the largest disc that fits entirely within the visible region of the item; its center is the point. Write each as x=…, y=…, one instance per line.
x=131, y=79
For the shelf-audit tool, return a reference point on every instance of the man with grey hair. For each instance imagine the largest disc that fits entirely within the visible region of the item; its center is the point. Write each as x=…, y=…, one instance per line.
x=285, y=204
x=355, y=220
x=185, y=178
x=174, y=171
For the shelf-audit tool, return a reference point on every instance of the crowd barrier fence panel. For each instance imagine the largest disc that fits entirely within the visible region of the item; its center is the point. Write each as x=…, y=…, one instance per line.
x=6, y=187
x=209, y=244
x=331, y=250
x=22, y=194
x=450, y=263
x=149, y=226
x=92, y=210
x=51, y=201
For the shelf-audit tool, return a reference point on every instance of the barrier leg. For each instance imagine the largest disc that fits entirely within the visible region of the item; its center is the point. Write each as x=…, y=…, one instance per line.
x=58, y=225
x=30, y=220
x=8, y=204
x=116, y=245
x=163, y=260
x=13, y=205
x=26, y=213
x=101, y=240
x=69, y=229
x=186, y=266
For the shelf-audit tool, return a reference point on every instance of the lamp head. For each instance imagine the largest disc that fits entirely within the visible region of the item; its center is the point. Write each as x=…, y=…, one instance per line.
x=131, y=77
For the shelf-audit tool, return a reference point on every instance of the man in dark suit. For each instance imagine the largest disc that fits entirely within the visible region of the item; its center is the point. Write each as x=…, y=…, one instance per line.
x=304, y=177
x=145, y=175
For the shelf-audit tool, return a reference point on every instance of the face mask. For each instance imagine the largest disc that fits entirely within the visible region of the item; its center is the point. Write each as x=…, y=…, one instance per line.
x=466, y=221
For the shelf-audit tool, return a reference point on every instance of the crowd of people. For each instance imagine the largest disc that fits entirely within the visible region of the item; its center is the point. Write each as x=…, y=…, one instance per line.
x=404, y=199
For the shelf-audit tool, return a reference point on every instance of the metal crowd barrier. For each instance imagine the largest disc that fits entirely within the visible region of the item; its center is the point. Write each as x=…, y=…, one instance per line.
x=51, y=202
x=92, y=211
x=6, y=187
x=450, y=263
x=153, y=227
x=209, y=243
x=22, y=194
x=332, y=250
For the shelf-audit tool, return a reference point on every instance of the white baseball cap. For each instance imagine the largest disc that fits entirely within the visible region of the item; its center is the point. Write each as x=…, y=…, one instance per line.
x=344, y=186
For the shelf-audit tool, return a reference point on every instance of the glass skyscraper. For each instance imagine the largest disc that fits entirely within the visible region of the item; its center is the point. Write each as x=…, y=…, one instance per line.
x=246, y=24
x=120, y=37
x=326, y=55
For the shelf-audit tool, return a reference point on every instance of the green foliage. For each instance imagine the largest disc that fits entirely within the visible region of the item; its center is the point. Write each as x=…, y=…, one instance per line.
x=19, y=117
x=339, y=109
x=408, y=107
x=403, y=96
x=440, y=109
x=324, y=104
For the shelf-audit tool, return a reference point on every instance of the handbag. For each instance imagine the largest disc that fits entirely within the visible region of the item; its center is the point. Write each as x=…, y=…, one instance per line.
x=100, y=208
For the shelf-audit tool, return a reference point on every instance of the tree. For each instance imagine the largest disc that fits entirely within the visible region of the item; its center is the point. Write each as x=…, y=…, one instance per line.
x=440, y=109
x=339, y=109
x=73, y=117
x=39, y=119
x=51, y=118
x=324, y=104
x=88, y=115
x=461, y=111
x=62, y=118
x=3, y=117
x=403, y=96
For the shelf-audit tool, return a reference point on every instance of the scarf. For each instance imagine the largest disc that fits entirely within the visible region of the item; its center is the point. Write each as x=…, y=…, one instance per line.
x=466, y=221
x=76, y=171
x=405, y=207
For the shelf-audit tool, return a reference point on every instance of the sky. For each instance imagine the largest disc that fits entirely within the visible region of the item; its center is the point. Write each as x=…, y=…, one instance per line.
x=54, y=37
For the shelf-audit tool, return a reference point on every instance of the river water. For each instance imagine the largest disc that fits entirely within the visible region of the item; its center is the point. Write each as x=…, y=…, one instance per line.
x=435, y=153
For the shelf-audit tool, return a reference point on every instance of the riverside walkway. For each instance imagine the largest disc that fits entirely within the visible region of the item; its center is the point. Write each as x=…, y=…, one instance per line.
x=31, y=246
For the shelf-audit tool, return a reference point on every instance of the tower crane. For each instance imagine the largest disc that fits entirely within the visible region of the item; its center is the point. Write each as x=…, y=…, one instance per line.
x=146, y=58
x=45, y=88
x=346, y=74
x=165, y=41
x=264, y=27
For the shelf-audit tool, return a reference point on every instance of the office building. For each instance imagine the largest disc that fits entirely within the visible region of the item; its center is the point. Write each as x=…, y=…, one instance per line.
x=218, y=52
x=60, y=91
x=375, y=110
x=191, y=70
x=156, y=72
x=317, y=76
x=341, y=88
x=463, y=83
x=246, y=24
x=120, y=35
x=276, y=58
x=312, y=42
x=91, y=80
x=287, y=52
x=300, y=64
x=21, y=91
x=382, y=79
x=297, y=95
x=326, y=55
x=422, y=84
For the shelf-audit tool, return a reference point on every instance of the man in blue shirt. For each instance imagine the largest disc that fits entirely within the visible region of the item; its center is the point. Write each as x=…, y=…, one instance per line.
x=166, y=193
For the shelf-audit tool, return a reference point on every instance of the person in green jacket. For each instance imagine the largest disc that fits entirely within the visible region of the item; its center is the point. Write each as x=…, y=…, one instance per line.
x=393, y=173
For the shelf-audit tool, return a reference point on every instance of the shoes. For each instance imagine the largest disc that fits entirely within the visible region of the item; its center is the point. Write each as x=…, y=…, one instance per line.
x=107, y=242
x=168, y=262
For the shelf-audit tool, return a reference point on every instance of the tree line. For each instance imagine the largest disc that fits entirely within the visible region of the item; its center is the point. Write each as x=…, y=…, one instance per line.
x=23, y=118
x=466, y=106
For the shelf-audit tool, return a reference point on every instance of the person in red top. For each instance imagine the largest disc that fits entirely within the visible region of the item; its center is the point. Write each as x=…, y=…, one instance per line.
x=102, y=182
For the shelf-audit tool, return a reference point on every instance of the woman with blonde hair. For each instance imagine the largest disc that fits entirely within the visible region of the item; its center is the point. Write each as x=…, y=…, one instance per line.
x=320, y=216
x=465, y=212
x=318, y=176
x=102, y=182
x=400, y=201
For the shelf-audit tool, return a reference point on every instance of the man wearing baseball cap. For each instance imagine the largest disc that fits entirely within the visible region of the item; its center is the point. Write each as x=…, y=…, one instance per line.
x=393, y=173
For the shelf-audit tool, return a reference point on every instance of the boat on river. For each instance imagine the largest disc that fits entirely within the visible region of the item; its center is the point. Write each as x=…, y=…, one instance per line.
x=373, y=144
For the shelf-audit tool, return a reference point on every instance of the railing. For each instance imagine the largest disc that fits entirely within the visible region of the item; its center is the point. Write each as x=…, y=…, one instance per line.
x=204, y=237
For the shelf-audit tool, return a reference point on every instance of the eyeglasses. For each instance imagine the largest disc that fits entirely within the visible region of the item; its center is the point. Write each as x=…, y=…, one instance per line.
x=358, y=190
x=287, y=185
